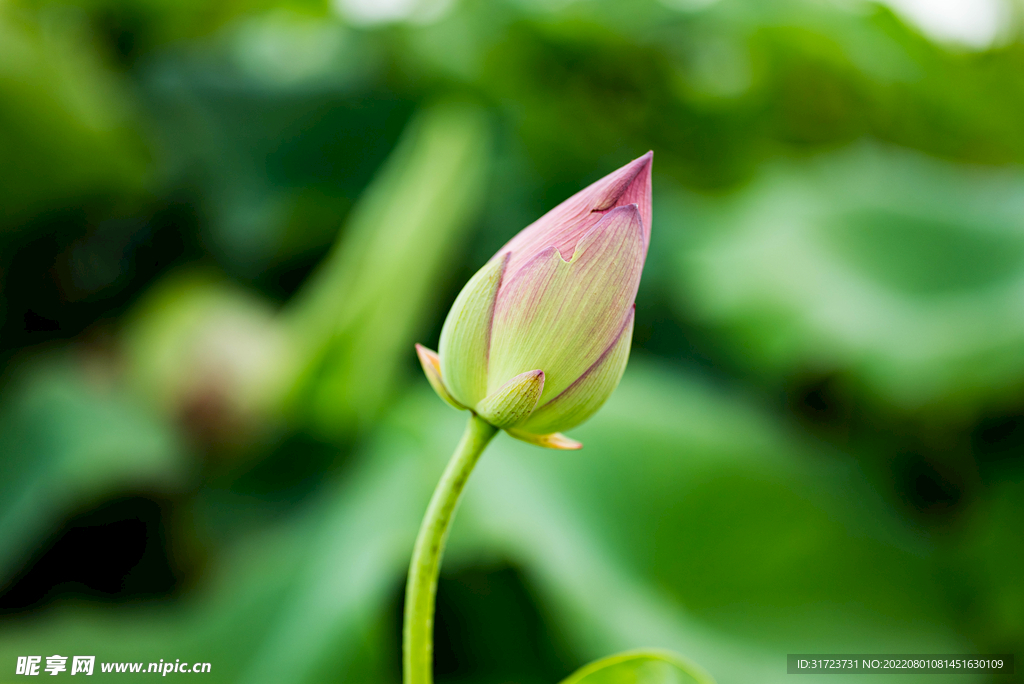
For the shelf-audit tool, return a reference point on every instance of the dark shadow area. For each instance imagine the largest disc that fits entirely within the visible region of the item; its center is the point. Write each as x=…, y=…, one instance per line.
x=116, y=552
x=291, y=470
x=998, y=444
x=78, y=268
x=935, y=491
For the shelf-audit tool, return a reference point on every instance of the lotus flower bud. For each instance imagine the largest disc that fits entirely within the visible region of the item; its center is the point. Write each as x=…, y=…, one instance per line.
x=538, y=339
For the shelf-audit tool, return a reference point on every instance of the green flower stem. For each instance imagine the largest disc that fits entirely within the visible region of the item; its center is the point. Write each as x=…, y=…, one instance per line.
x=418, y=631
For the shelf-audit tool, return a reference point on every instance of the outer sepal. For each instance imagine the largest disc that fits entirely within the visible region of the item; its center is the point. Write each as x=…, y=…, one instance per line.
x=513, y=402
x=432, y=369
x=554, y=440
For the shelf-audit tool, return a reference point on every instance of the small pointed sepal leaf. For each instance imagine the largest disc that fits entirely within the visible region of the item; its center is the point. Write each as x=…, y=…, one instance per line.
x=555, y=440
x=513, y=402
x=647, y=666
x=466, y=336
x=432, y=369
x=584, y=397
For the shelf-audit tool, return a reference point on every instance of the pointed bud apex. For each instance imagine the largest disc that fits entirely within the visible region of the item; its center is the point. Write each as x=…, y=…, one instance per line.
x=513, y=402
x=552, y=313
x=564, y=226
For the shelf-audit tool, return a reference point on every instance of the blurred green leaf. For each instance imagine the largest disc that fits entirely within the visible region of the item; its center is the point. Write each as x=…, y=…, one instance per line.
x=70, y=436
x=152, y=24
x=296, y=601
x=358, y=314
x=990, y=568
x=68, y=132
x=639, y=667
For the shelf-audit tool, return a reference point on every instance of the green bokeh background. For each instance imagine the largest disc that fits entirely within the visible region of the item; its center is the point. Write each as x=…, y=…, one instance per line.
x=224, y=225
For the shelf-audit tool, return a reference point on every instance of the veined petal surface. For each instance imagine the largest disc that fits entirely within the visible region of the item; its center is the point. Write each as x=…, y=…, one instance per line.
x=585, y=396
x=561, y=316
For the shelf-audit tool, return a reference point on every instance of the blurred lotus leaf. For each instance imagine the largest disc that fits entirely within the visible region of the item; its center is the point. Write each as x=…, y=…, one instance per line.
x=358, y=315
x=622, y=556
x=640, y=667
x=71, y=435
x=900, y=271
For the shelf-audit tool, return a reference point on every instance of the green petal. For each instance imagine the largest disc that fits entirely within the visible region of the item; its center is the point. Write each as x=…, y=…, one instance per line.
x=514, y=401
x=432, y=369
x=585, y=396
x=552, y=441
x=465, y=337
x=562, y=316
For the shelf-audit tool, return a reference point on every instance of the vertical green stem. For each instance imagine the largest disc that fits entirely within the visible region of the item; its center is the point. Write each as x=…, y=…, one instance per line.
x=418, y=631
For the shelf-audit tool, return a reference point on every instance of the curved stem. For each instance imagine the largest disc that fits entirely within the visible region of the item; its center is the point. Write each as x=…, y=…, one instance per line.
x=418, y=630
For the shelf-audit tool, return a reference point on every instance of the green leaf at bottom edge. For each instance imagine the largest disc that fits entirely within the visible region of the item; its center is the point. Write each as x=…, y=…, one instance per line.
x=645, y=666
